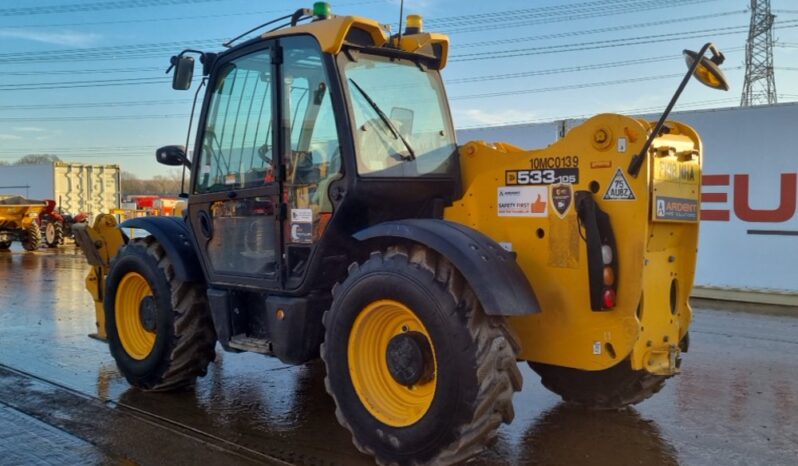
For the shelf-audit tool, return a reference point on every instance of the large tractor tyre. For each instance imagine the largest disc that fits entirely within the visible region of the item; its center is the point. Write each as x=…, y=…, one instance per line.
x=33, y=238
x=159, y=328
x=53, y=234
x=419, y=374
x=613, y=388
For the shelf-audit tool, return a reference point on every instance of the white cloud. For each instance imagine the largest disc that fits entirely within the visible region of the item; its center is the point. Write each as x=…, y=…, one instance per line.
x=475, y=117
x=68, y=38
x=29, y=129
x=9, y=137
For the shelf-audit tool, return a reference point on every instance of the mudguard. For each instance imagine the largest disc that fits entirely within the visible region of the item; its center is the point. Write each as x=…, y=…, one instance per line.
x=493, y=274
x=175, y=237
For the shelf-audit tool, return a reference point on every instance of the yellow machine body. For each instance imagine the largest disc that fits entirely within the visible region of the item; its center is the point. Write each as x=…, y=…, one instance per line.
x=656, y=256
x=654, y=252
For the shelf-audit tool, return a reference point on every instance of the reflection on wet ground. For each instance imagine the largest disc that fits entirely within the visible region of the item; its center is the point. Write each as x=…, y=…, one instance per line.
x=735, y=403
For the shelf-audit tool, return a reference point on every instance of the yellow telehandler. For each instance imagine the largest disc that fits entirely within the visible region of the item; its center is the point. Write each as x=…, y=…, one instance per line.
x=331, y=213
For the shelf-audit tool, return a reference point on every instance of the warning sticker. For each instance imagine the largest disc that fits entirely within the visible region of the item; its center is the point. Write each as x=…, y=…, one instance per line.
x=302, y=215
x=301, y=226
x=619, y=189
x=525, y=201
x=674, y=208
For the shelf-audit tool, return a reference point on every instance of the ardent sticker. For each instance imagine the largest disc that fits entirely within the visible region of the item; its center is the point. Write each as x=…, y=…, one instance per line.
x=619, y=189
x=562, y=197
x=674, y=208
x=523, y=201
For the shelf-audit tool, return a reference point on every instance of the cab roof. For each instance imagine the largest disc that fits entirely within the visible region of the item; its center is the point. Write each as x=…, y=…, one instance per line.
x=335, y=32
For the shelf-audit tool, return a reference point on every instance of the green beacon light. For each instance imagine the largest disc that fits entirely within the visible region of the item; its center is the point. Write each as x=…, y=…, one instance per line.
x=322, y=10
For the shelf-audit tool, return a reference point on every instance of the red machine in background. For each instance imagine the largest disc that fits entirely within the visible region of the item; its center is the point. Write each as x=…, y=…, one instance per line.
x=56, y=226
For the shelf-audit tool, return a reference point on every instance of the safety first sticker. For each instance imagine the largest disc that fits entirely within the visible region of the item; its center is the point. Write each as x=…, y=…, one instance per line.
x=619, y=189
x=523, y=201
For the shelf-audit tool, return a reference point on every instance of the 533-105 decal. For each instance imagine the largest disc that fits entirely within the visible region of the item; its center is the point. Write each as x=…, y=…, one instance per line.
x=548, y=176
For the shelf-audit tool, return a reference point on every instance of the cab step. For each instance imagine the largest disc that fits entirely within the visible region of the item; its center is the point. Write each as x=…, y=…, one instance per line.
x=254, y=345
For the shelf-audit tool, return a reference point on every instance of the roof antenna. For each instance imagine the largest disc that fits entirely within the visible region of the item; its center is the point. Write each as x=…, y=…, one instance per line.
x=401, y=15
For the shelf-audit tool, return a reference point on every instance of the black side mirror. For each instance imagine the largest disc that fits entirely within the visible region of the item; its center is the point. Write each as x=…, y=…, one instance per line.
x=172, y=156
x=184, y=72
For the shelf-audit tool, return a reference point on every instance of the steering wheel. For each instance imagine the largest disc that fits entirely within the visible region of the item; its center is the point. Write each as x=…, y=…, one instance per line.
x=262, y=151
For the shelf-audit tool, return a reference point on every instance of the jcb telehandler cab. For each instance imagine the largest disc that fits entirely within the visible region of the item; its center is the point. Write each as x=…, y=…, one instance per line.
x=331, y=213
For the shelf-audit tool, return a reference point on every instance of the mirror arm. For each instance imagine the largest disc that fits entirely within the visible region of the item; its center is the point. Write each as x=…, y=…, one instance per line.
x=637, y=161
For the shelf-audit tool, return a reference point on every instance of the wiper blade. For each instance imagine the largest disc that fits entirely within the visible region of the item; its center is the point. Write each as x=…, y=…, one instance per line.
x=386, y=120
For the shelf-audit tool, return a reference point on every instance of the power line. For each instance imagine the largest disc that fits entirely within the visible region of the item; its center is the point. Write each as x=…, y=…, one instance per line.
x=612, y=43
x=566, y=87
x=633, y=112
x=84, y=71
x=583, y=32
x=575, y=69
x=146, y=50
x=94, y=6
x=574, y=16
x=174, y=18
x=79, y=84
x=129, y=103
x=95, y=118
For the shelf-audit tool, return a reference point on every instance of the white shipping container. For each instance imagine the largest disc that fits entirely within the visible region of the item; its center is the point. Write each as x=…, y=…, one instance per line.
x=749, y=213
x=76, y=187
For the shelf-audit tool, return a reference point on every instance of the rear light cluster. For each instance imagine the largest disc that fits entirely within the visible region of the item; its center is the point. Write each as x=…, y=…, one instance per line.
x=602, y=253
x=608, y=295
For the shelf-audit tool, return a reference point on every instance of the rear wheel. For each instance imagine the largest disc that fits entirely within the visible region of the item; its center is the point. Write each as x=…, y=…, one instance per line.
x=53, y=234
x=33, y=238
x=420, y=375
x=159, y=328
x=612, y=388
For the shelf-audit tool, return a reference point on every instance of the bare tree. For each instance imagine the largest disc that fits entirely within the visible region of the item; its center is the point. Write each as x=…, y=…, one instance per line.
x=37, y=159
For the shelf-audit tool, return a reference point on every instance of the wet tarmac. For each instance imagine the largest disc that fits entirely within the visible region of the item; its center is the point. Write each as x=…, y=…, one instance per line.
x=62, y=400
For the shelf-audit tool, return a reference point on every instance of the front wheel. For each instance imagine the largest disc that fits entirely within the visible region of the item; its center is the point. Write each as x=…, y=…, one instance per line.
x=159, y=328
x=419, y=374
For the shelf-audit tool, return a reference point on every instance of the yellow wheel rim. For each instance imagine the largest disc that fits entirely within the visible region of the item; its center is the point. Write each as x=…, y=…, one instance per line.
x=137, y=340
x=387, y=400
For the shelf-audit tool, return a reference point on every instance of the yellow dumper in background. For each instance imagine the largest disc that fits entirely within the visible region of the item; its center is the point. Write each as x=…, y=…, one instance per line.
x=18, y=222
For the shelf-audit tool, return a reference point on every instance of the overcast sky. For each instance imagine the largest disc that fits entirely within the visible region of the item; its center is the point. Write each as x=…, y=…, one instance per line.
x=84, y=79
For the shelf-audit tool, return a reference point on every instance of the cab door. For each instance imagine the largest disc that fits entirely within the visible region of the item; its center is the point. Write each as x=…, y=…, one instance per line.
x=234, y=209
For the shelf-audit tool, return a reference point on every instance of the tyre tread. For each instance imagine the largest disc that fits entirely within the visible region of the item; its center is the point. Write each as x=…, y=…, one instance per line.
x=498, y=376
x=194, y=334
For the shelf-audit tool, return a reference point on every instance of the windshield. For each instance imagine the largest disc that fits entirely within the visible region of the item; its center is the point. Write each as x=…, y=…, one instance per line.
x=402, y=123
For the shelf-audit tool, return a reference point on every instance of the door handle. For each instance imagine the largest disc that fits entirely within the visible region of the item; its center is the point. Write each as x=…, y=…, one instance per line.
x=206, y=226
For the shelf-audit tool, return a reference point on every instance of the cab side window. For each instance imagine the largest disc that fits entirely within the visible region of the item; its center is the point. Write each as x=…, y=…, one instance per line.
x=237, y=144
